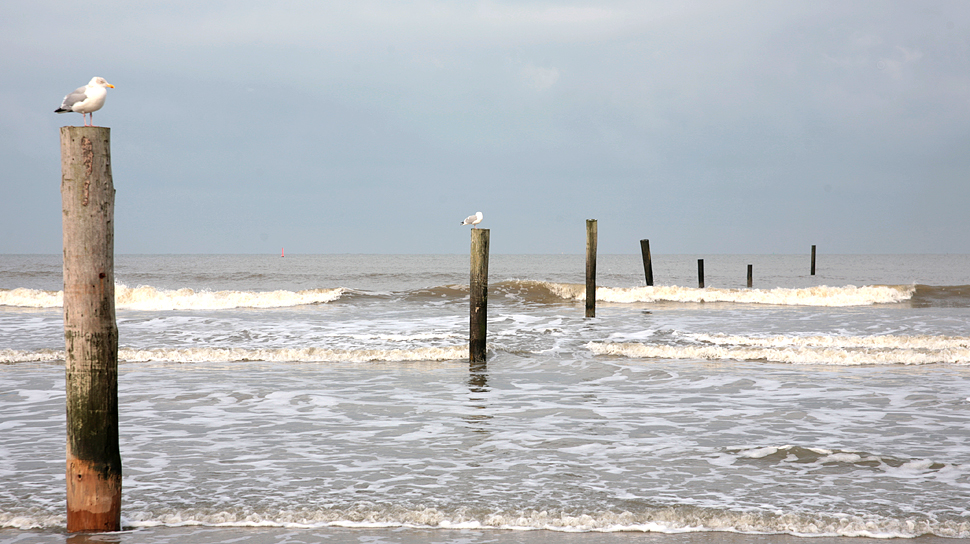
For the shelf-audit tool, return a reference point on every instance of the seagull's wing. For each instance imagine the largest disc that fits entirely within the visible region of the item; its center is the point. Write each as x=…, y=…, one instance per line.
x=79, y=95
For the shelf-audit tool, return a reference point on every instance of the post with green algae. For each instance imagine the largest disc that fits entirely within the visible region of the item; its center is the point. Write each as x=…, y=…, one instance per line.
x=478, y=296
x=90, y=331
x=590, y=268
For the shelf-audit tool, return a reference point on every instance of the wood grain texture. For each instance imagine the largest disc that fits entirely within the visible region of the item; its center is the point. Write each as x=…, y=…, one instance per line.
x=478, y=295
x=90, y=331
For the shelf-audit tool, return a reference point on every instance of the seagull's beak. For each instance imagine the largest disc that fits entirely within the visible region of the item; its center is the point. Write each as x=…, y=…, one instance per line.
x=110, y=85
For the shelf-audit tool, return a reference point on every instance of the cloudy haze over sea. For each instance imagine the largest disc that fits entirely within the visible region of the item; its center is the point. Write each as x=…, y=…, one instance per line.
x=375, y=127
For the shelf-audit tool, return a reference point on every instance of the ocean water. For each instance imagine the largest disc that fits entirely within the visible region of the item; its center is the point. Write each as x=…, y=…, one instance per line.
x=324, y=397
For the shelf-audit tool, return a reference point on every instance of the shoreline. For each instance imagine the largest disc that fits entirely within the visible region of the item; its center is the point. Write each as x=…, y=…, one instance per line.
x=403, y=535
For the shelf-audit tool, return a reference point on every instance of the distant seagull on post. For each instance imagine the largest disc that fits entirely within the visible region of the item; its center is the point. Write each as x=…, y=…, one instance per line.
x=473, y=219
x=86, y=100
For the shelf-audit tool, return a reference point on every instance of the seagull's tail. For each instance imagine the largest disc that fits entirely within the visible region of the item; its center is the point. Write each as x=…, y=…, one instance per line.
x=61, y=110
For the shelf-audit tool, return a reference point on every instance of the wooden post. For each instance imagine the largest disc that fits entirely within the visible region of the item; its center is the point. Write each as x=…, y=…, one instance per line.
x=90, y=331
x=700, y=273
x=647, y=261
x=478, y=296
x=813, y=259
x=590, y=268
x=750, y=275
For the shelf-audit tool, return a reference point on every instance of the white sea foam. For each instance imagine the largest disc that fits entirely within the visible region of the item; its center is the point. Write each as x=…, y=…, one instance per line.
x=887, y=341
x=849, y=295
x=670, y=520
x=8, y=356
x=228, y=355
x=150, y=298
x=147, y=298
x=32, y=520
x=31, y=298
x=758, y=453
x=814, y=350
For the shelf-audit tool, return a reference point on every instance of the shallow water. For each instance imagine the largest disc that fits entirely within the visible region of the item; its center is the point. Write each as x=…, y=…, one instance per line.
x=667, y=414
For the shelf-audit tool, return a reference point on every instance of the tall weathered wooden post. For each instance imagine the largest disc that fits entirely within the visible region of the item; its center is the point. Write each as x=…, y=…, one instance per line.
x=750, y=275
x=90, y=331
x=478, y=296
x=700, y=273
x=590, y=268
x=647, y=261
x=813, y=260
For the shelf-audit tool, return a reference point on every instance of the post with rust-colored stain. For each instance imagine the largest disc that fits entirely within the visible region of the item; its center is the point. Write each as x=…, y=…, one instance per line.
x=90, y=331
x=590, y=268
x=647, y=261
x=478, y=296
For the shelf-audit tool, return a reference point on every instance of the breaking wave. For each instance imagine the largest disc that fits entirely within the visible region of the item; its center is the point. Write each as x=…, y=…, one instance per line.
x=642, y=519
x=230, y=355
x=811, y=350
x=849, y=295
x=149, y=298
x=815, y=458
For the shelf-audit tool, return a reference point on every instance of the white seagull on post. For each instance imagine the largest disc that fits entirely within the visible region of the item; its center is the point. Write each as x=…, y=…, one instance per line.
x=473, y=219
x=86, y=100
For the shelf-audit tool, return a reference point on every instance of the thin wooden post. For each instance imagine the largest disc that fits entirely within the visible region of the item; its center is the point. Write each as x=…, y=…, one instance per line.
x=590, y=268
x=813, y=259
x=750, y=275
x=478, y=296
x=700, y=273
x=647, y=261
x=90, y=331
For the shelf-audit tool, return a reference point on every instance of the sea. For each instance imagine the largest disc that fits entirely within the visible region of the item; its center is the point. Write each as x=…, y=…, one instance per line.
x=330, y=398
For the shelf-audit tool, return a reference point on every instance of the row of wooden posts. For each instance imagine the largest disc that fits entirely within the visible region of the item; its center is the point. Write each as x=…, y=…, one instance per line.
x=700, y=266
x=648, y=263
x=91, y=331
x=478, y=283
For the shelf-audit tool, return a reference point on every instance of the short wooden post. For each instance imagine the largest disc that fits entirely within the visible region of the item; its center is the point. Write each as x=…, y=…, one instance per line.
x=813, y=259
x=750, y=275
x=590, y=268
x=90, y=331
x=478, y=296
x=647, y=261
x=700, y=273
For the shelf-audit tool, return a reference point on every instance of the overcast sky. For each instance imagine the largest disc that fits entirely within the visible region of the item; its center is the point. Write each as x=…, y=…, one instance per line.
x=377, y=126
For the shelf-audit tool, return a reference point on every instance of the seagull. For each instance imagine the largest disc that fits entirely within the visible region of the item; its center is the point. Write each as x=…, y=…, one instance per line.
x=473, y=219
x=86, y=100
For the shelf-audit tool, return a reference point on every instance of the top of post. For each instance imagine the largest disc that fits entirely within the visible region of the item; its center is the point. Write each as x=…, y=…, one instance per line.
x=81, y=130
